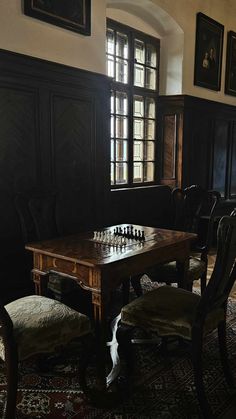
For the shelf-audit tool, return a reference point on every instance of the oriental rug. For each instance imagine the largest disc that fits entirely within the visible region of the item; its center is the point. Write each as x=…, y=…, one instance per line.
x=163, y=385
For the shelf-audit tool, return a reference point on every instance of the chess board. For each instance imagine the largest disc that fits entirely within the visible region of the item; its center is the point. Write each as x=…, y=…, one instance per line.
x=119, y=237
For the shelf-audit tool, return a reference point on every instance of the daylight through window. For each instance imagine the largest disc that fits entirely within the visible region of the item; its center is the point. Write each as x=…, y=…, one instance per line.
x=133, y=64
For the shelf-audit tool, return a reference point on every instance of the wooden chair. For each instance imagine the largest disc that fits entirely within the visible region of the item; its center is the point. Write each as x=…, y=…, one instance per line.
x=37, y=214
x=190, y=205
x=34, y=325
x=172, y=311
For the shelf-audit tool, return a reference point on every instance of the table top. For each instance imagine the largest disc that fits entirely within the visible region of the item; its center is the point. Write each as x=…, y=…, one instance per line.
x=81, y=248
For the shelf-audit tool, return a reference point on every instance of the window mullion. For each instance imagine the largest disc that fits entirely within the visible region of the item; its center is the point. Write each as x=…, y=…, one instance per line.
x=131, y=84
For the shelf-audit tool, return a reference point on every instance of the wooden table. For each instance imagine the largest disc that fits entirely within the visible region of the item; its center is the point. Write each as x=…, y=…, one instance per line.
x=100, y=268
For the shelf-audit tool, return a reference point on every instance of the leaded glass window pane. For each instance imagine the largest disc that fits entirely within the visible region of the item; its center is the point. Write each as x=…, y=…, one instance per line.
x=150, y=109
x=121, y=127
x=151, y=55
x=121, y=103
x=121, y=173
x=112, y=173
x=121, y=150
x=112, y=126
x=121, y=45
x=138, y=150
x=112, y=102
x=148, y=172
x=138, y=75
x=121, y=71
x=138, y=172
x=138, y=128
x=112, y=151
x=150, y=78
x=149, y=129
x=110, y=41
x=148, y=150
x=139, y=51
x=138, y=106
x=110, y=66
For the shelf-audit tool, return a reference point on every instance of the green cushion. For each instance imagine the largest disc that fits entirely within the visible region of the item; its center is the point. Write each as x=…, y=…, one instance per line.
x=168, y=272
x=41, y=324
x=168, y=311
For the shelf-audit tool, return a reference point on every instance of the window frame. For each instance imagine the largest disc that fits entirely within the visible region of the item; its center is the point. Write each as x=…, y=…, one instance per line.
x=132, y=91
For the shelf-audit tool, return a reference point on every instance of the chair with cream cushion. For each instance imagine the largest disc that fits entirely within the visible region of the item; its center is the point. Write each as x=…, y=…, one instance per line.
x=34, y=325
x=171, y=311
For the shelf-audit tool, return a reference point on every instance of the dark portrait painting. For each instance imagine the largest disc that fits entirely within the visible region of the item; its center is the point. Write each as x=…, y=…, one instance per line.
x=69, y=14
x=208, y=52
x=230, y=74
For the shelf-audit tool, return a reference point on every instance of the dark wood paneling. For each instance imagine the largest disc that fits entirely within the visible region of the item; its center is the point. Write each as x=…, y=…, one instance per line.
x=73, y=145
x=233, y=164
x=54, y=129
x=169, y=146
x=205, y=142
x=19, y=137
x=145, y=206
x=220, y=153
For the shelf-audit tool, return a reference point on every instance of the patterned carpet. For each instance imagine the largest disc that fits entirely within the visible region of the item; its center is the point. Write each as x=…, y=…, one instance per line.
x=163, y=386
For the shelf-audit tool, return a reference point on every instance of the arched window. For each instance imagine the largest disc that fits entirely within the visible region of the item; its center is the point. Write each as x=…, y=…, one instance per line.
x=133, y=64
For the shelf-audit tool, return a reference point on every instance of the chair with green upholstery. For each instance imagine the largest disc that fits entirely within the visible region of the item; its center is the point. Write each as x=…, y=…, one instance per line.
x=172, y=311
x=36, y=325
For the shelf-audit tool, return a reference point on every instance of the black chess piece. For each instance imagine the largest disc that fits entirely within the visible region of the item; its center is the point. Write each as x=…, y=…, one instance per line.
x=143, y=236
x=132, y=231
x=128, y=232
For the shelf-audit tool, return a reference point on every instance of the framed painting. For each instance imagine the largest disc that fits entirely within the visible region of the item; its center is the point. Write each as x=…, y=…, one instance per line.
x=230, y=73
x=208, y=52
x=74, y=15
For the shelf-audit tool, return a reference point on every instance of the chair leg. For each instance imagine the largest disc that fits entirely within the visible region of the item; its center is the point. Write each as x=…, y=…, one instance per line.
x=203, y=282
x=136, y=284
x=85, y=355
x=124, y=334
x=125, y=291
x=224, y=353
x=11, y=362
x=198, y=373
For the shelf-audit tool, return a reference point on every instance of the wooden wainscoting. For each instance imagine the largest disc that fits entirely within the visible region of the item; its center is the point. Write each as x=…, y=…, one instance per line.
x=54, y=128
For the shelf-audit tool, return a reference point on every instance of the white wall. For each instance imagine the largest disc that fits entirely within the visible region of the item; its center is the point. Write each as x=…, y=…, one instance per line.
x=184, y=12
x=34, y=37
x=177, y=50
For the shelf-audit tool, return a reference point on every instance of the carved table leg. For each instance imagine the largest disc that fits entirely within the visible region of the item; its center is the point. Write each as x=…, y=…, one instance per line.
x=100, y=330
x=40, y=282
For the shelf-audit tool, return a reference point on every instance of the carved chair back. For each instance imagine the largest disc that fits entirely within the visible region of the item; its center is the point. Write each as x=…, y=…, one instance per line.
x=224, y=273
x=190, y=205
x=37, y=211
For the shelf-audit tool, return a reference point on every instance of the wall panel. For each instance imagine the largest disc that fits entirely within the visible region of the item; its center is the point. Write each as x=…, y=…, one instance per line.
x=53, y=137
